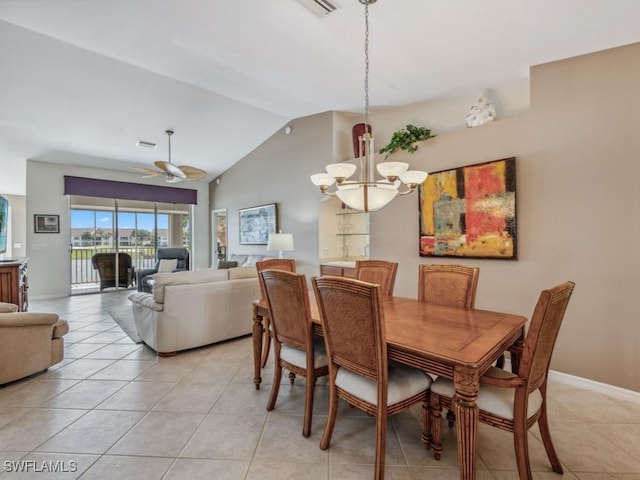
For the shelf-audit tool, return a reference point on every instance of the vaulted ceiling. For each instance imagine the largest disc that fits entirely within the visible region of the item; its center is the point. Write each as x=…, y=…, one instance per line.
x=82, y=81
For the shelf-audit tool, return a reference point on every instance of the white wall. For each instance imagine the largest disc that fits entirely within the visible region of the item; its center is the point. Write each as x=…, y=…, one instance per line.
x=49, y=263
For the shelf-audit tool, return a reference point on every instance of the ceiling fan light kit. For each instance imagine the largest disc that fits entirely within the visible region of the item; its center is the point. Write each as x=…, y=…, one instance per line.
x=172, y=173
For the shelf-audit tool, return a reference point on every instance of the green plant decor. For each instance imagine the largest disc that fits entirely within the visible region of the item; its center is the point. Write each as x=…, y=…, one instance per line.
x=405, y=139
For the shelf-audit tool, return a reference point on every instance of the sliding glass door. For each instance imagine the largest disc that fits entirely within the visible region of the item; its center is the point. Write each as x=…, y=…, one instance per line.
x=116, y=228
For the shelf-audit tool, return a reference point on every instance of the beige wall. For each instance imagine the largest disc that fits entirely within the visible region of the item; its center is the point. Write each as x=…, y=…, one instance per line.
x=278, y=172
x=578, y=167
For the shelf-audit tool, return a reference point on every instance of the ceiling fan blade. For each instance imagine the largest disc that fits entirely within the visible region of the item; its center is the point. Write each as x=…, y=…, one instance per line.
x=150, y=172
x=192, y=173
x=170, y=168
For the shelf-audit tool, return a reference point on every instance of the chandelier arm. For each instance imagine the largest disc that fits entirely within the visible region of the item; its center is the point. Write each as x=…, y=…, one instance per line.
x=410, y=189
x=325, y=190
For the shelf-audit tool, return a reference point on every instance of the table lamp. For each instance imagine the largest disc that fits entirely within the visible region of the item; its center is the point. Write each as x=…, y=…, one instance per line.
x=282, y=242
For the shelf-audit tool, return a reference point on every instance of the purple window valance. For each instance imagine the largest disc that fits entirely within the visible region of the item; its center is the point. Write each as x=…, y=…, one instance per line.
x=92, y=187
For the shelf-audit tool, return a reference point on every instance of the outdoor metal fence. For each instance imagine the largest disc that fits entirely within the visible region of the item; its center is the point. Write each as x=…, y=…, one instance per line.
x=82, y=271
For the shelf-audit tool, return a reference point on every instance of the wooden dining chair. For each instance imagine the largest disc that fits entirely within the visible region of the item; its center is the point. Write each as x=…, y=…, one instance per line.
x=294, y=344
x=450, y=285
x=515, y=402
x=453, y=286
x=378, y=271
x=354, y=335
x=284, y=264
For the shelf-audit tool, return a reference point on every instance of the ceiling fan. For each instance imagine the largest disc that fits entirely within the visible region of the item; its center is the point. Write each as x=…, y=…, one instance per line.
x=171, y=172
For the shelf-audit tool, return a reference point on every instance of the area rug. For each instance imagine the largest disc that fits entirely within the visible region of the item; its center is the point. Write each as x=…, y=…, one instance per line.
x=123, y=316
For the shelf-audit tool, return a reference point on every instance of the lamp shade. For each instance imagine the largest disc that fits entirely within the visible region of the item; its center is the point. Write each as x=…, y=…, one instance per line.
x=282, y=242
x=367, y=197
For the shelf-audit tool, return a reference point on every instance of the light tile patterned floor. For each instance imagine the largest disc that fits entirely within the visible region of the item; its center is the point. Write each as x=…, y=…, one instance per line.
x=112, y=409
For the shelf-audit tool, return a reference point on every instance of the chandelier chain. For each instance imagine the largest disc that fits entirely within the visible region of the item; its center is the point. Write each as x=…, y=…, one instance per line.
x=366, y=65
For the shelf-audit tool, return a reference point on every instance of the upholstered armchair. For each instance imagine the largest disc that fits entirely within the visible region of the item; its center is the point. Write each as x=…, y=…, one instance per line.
x=29, y=342
x=164, y=263
x=105, y=263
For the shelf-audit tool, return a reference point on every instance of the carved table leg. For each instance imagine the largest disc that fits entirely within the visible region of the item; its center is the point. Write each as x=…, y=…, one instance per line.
x=467, y=381
x=256, y=335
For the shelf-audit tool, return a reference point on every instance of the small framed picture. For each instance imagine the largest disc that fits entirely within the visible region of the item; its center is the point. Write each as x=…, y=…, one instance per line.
x=46, y=223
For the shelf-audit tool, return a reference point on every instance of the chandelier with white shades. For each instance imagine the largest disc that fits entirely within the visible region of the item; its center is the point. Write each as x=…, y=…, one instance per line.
x=368, y=194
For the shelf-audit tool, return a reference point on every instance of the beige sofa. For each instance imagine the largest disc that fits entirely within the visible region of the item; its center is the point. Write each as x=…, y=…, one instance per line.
x=191, y=309
x=236, y=260
x=29, y=342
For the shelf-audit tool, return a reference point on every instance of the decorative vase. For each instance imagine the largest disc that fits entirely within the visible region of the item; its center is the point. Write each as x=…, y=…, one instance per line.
x=480, y=113
x=357, y=131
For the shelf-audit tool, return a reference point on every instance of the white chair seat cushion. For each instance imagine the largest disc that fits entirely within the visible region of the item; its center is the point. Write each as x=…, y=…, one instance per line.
x=299, y=357
x=492, y=399
x=404, y=382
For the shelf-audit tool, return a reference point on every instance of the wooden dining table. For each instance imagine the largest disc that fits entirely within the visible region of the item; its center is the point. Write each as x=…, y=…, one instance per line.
x=446, y=341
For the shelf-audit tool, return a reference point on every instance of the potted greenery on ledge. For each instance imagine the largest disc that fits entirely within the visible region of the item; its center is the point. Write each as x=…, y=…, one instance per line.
x=406, y=139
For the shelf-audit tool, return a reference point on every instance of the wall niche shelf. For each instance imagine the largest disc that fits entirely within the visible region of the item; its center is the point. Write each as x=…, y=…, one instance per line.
x=343, y=233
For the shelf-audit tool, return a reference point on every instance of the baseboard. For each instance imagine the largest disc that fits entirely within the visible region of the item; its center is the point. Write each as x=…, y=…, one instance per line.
x=48, y=297
x=580, y=382
x=610, y=390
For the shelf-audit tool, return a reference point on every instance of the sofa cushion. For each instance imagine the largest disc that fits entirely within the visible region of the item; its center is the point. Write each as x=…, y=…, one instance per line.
x=252, y=259
x=167, y=265
x=241, y=259
x=8, y=307
x=181, y=278
x=146, y=300
x=247, y=260
x=226, y=264
x=242, y=272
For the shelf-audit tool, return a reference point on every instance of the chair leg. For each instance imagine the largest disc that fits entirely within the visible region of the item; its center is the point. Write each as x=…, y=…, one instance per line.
x=277, y=378
x=543, y=423
x=521, y=446
x=451, y=417
x=436, y=426
x=266, y=342
x=331, y=418
x=381, y=442
x=308, y=404
x=500, y=361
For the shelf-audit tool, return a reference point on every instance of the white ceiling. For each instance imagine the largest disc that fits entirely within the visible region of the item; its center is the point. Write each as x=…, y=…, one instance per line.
x=82, y=80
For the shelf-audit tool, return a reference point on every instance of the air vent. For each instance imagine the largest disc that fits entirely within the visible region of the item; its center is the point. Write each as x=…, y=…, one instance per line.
x=319, y=7
x=142, y=143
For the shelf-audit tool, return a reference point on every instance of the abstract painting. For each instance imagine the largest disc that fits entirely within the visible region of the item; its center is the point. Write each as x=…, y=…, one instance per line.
x=470, y=211
x=256, y=223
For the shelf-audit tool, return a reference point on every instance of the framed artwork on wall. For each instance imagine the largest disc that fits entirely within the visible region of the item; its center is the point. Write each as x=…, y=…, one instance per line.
x=256, y=223
x=46, y=223
x=470, y=211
